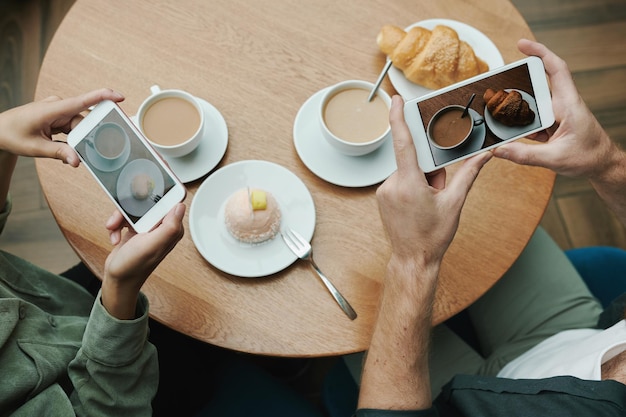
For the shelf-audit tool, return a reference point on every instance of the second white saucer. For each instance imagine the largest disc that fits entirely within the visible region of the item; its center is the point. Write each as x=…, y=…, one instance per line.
x=330, y=165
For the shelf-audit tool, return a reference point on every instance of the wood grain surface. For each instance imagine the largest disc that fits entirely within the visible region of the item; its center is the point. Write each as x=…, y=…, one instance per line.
x=258, y=63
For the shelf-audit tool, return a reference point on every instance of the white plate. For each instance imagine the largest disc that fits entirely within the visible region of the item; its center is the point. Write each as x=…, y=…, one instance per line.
x=134, y=206
x=506, y=132
x=330, y=165
x=219, y=247
x=483, y=47
x=209, y=152
x=474, y=143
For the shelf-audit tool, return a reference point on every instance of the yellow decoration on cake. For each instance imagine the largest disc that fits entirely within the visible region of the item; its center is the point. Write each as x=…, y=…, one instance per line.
x=258, y=199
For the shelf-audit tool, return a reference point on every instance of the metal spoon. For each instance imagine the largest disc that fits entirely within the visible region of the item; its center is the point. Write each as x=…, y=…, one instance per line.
x=467, y=106
x=380, y=79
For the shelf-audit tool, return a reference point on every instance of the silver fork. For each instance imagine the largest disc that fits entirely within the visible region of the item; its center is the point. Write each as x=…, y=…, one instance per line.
x=303, y=250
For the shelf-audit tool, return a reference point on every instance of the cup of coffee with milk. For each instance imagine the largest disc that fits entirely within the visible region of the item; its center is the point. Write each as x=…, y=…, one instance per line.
x=350, y=123
x=172, y=121
x=451, y=127
x=111, y=146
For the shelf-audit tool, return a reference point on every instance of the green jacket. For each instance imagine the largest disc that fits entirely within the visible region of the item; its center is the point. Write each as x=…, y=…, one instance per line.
x=62, y=354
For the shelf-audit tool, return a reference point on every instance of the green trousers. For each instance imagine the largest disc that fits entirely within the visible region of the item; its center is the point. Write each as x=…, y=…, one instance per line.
x=540, y=295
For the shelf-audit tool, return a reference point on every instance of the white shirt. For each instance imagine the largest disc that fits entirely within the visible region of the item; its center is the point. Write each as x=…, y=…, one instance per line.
x=578, y=353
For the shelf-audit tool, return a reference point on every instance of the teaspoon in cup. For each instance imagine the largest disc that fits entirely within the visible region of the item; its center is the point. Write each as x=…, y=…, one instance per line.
x=469, y=103
x=380, y=79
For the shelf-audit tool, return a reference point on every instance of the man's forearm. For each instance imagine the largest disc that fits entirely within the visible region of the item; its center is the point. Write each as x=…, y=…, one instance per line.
x=611, y=185
x=395, y=374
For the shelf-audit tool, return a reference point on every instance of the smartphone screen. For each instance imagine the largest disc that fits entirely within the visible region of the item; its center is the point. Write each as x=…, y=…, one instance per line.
x=487, y=131
x=124, y=166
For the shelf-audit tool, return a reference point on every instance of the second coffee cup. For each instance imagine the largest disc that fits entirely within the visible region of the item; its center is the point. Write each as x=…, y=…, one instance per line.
x=349, y=122
x=172, y=121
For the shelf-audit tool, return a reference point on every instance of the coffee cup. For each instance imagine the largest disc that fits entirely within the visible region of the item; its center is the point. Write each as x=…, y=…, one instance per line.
x=172, y=121
x=448, y=128
x=110, y=143
x=349, y=122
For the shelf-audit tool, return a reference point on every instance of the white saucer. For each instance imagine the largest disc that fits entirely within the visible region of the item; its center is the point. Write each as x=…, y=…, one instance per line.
x=330, y=165
x=474, y=143
x=133, y=206
x=219, y=247
x=483, y=47
x=503, y=131
x=209, y=152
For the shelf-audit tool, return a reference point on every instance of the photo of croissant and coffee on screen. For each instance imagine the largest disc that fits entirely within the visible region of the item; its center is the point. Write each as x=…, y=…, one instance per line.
x=503, y=107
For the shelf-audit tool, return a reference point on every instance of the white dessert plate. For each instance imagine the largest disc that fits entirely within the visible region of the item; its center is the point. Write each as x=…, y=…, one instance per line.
x=474, y=143
x=483, y=47
x=135, y=206
x=219, y=247
x=329, y=164
x=506, y=132
x=209, y=152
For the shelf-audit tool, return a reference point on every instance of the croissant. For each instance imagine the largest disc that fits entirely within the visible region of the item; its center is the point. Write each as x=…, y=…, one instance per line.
x=433, y=59
x=508, y=107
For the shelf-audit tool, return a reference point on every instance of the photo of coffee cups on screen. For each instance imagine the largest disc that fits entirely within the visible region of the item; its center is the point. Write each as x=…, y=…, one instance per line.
x=172, y=121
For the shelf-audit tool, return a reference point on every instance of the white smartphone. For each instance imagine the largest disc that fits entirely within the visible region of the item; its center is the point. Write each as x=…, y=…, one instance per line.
x=518, y=104
x=129, y=170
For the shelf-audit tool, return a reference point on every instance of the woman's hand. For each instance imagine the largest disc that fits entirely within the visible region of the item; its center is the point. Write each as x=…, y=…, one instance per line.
x=134, y=257
x=27, y=130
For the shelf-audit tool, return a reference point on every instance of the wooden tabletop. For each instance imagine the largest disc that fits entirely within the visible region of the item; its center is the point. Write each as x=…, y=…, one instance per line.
x=257, y=63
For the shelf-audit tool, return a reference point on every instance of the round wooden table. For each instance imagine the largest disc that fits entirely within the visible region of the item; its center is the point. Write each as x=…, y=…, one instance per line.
x=257, y=63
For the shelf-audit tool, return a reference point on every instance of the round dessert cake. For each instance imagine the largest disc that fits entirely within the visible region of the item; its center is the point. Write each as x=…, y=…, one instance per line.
x=142, y=186
x=252, y=215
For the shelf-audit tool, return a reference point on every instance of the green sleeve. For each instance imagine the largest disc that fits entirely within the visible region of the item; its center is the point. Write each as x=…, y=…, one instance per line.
x=115, y=372
x=4, y=214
